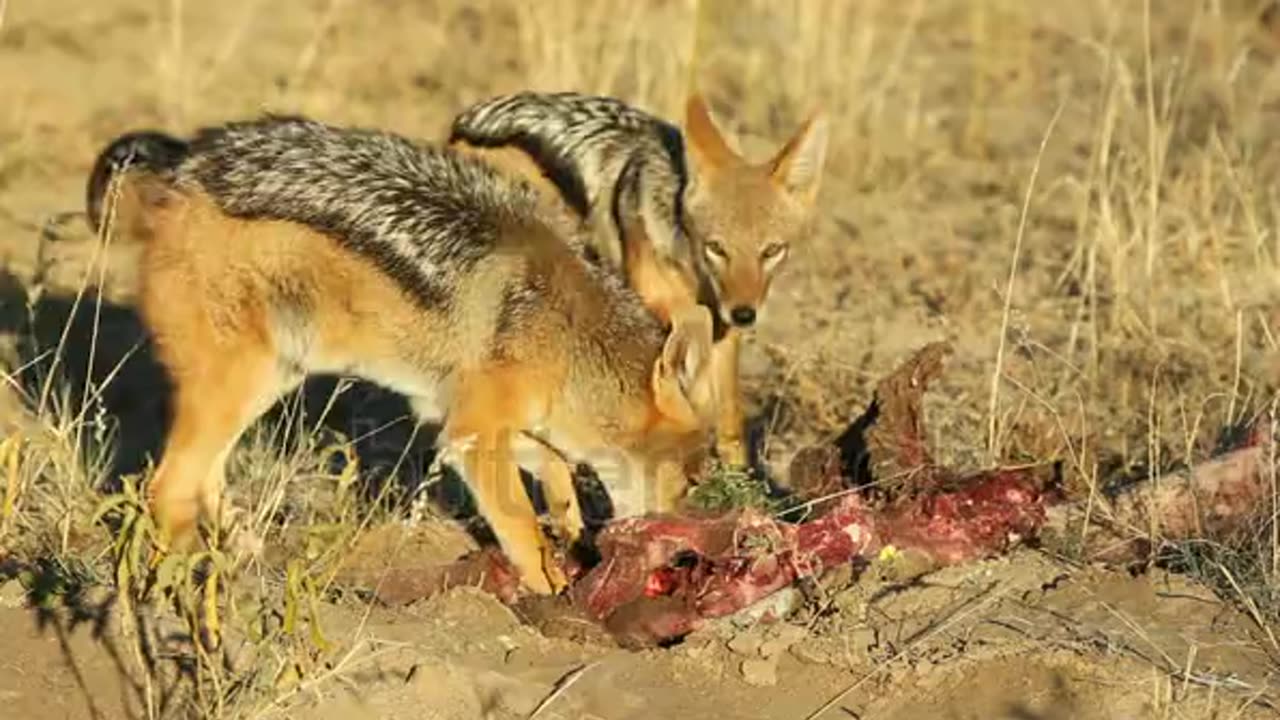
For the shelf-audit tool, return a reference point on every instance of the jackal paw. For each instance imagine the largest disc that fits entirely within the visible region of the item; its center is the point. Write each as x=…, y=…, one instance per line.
x=556, y=580
x=553, y=569
x=540, y=569
x=548, y=580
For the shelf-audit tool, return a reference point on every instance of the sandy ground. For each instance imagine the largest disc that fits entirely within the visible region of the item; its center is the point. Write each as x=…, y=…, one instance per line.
x=1140, y=322
x=1020, y=637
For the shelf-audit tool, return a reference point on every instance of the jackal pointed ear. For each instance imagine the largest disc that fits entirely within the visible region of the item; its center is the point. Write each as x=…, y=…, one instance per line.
x=797, y=167
x=682, y=386
x=706, y=144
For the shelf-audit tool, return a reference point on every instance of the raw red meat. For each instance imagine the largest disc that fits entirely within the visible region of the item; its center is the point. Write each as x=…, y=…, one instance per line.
x=705, y=569
x=659, y=578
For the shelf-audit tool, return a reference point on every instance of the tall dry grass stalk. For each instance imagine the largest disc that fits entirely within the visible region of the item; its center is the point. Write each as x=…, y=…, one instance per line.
x=605, y=47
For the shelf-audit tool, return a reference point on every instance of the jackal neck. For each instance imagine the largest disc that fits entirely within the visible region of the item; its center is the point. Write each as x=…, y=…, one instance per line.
x=611, y=336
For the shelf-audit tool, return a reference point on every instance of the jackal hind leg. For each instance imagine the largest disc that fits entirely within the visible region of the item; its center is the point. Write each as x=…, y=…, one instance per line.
x=217, y=394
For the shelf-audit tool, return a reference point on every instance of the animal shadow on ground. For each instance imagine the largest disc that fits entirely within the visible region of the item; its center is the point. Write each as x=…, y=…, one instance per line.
x=79, y=608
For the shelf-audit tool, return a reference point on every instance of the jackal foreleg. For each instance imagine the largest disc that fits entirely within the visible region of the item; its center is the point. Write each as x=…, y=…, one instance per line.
x=730, y=441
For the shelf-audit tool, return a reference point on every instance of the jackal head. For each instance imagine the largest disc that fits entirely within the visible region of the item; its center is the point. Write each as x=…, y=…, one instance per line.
x=658, y=432
x=743, y=218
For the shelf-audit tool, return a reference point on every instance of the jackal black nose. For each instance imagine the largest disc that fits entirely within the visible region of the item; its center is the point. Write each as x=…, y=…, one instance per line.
x=743, y=315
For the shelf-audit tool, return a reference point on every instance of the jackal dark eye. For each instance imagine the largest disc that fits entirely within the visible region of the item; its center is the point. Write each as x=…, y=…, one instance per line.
x=773, y=250
x=715, y=250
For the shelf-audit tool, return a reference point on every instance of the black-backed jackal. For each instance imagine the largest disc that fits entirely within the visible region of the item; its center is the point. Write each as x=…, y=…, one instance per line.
x=714, y=230
x=281, y=247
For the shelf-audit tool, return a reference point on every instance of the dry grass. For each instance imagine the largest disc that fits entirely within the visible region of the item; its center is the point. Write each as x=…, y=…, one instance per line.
x=1081, y=198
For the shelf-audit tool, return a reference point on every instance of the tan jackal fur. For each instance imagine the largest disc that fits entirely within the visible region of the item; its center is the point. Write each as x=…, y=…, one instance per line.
x=685, y=217
x=280, y=247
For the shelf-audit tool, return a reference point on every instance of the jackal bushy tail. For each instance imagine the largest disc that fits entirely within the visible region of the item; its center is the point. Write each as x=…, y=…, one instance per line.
x=154, y=151
x=581, y=142
x=609, y=162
